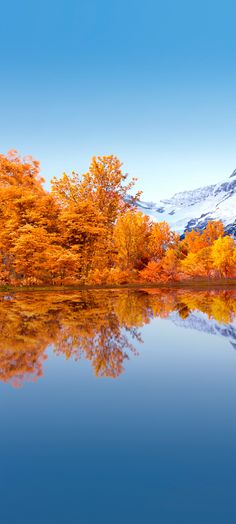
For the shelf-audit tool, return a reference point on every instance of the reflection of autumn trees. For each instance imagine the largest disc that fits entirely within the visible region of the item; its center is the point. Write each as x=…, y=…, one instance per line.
x=99, y=326
x=217, y=305
x=94, y=332
x=82, y=325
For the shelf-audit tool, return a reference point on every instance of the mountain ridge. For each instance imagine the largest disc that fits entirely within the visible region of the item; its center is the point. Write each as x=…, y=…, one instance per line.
x=195, y=208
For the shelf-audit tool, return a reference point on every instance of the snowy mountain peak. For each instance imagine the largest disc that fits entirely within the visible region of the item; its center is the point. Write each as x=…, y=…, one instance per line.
x=194, y=208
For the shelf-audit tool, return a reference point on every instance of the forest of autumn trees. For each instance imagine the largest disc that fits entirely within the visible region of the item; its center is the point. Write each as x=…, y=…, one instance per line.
x=87, y=230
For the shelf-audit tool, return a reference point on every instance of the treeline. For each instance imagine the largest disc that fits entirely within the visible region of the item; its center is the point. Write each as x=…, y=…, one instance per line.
x=87, y=230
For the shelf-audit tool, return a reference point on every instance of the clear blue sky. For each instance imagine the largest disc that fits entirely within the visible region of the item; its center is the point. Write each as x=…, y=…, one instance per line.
x=152, y=82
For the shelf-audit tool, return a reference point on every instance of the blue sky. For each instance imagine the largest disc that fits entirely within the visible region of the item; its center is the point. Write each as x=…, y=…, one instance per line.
x=153, y=83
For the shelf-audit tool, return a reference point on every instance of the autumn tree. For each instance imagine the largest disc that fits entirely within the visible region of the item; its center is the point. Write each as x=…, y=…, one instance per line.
x=151, y=272
x=29, y=254
x=90, y=205
x=196, y=239
x=170, y=265
x=103, y=185
x=197, y=264
x=223, y=256
x=24, y=206
x=161, y=238
x=213, y=230
x=163, y=270
x=131, y=234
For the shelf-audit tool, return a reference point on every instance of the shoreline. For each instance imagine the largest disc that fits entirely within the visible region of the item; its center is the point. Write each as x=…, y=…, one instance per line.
x=183, y=284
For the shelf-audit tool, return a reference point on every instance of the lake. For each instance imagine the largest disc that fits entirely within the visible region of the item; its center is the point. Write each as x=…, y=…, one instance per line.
x=118, y=406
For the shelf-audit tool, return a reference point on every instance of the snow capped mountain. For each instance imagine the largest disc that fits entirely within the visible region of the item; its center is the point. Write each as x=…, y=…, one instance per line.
x=193, y=209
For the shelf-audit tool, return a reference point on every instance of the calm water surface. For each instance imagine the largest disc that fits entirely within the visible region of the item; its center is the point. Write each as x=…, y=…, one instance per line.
x=118, y=407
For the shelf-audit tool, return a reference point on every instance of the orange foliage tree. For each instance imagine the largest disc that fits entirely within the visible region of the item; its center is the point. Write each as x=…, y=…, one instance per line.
x=224, y=256
x=131, y=234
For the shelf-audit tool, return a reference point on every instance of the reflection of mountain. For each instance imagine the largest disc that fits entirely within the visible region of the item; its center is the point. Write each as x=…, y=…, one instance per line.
x=99, y=326
x=199, y=321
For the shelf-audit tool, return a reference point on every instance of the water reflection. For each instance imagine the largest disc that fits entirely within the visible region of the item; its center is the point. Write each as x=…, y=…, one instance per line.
x=100, y=326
